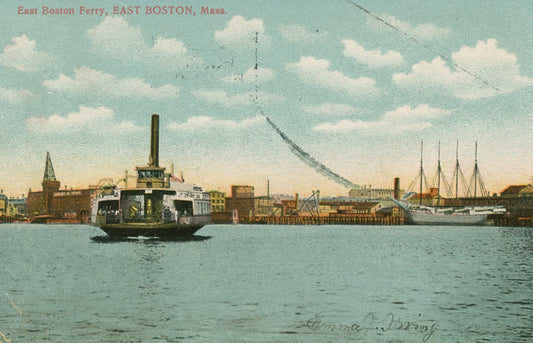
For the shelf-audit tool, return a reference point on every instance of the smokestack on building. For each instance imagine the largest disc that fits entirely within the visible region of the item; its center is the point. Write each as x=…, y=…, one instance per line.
x=397, y=188
x=154, y=142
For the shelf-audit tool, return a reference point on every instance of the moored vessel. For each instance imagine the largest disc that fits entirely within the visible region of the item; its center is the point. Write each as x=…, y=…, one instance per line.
x=161, y=205
x=435, y=214
x=429, y=215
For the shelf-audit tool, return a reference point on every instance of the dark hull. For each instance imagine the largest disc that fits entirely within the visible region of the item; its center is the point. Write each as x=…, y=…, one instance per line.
x=150, y=229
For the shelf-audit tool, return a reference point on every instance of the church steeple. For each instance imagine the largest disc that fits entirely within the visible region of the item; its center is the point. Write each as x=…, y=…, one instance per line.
x=50, y=185
x=49, y=174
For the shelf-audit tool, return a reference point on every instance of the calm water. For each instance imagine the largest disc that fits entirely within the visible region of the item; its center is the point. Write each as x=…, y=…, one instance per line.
x=66, y=283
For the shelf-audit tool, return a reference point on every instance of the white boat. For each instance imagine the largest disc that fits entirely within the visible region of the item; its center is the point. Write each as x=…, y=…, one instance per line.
x=429, y=215
x=419, y=214
x=160, y=204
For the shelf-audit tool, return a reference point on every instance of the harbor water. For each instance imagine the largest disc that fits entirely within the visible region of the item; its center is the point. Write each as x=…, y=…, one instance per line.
x=259, y=283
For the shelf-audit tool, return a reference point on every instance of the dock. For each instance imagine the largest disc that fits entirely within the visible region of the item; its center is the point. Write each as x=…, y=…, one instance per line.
x=323, y=220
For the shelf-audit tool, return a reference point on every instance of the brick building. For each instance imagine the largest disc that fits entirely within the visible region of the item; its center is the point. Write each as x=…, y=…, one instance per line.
x=55, y=205
x=246, y=204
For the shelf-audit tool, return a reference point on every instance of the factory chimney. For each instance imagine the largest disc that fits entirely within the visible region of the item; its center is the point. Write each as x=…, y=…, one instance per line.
x=154, y=142
x=397, y=188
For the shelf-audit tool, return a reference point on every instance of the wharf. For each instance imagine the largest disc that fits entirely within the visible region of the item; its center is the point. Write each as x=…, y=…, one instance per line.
x=322, y=220
x=363, y=220
x=514, y=221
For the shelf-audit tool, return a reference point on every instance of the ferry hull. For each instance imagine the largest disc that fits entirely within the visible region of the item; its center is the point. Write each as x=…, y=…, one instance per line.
x=150, y=230
x=185, y=227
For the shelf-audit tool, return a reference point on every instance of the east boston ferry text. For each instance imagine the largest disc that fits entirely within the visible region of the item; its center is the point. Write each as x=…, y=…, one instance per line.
x=122, y=10
x=63, y=11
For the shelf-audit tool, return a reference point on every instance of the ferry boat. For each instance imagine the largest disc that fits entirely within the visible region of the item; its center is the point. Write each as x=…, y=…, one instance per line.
x=161, y=205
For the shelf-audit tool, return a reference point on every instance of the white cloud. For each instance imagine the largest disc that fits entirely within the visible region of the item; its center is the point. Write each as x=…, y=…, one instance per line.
x=316, y=72
x=15, y=96
x=422, y=32
x=332, y=109
x=405, y=113
x=97, y=83
x=115, y=38
x=402, y=119
x=299, y=35
x=489, y=63
x=243, y=34
x=87, y=119
x=205, y=122
x=252, y=75
x=372, y=58
x=23, y=56
x=238, y=99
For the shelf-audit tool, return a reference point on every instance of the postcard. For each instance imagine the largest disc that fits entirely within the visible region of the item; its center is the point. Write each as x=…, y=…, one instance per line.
x=285, y=138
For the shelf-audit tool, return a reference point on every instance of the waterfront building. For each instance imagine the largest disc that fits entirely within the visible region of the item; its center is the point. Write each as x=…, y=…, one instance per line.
x=55, y=205
x=514, y=191
x=247, y=204
x=387, y=208
x=263, y=206
x=3, y=207
x=241, y=200
x=242, y=191
x=218, y=201
x=347, y=207
x=432, y=198
x=373, y=193
x=383, y=208
x=16, y=208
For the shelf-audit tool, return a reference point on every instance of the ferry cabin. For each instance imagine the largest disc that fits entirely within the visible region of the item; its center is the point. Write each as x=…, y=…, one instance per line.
x=154, y=205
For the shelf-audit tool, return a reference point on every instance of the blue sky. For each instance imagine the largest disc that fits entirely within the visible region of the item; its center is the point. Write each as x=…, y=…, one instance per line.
x=356, y=94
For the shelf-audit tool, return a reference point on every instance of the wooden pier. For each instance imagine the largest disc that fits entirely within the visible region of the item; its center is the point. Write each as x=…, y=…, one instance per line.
x=322, y=220
x=362, y=220
x=514, y=221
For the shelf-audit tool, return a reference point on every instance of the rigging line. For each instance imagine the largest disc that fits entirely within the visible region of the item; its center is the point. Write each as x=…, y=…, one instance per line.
x=427, y=47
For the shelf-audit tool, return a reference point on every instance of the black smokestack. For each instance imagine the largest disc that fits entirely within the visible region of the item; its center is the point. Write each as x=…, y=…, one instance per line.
x=154, y=142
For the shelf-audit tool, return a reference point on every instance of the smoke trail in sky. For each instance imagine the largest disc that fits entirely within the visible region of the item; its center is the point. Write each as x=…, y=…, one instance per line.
x=310, y=161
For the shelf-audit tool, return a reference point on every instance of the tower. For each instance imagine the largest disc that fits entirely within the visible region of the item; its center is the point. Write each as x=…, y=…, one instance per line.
x=50, y=184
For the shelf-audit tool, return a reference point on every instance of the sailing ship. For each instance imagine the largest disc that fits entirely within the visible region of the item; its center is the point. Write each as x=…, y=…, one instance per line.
x=160, y=205
x=430, y=215
x=421, y=214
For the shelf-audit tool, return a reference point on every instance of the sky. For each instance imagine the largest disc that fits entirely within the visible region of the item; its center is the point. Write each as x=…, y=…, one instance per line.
x=358, y=85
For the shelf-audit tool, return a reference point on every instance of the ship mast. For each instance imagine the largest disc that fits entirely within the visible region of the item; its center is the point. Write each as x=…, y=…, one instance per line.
x=438, y=184
x=458, y=172
x=420, y=175
x=421, y=171
x=457, y=169
x=475, y=172
x=439, y=179
x=476, y=179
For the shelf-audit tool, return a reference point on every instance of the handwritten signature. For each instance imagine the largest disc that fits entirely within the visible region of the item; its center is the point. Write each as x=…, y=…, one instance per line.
x=370, y=323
